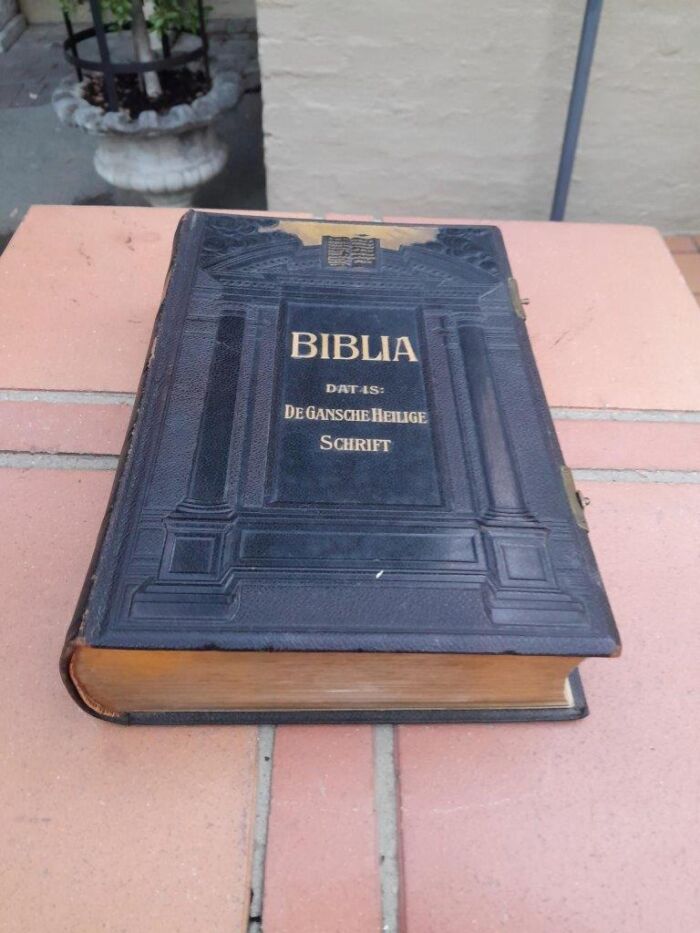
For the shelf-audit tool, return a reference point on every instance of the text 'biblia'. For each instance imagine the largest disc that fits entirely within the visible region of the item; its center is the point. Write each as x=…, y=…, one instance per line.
x=371, y=349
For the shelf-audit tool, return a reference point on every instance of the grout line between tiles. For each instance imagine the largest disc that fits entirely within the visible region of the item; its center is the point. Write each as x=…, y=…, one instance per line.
x=67, y=397
x=75, y=397
x=266, y=746
x=27, y=460
x=386, y=815
x=625, y=414
x=670, y=477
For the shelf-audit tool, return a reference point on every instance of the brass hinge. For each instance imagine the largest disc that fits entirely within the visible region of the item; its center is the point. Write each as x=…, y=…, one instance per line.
x=518, y=302
x=576, y=500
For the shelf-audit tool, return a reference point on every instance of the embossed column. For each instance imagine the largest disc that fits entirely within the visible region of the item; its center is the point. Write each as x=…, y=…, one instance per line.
x=521, y=586
x=206, y=489
x=505, y=495
x=198, y=530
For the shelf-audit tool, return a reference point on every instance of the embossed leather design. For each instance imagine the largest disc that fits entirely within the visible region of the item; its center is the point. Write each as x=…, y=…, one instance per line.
x=231, y=529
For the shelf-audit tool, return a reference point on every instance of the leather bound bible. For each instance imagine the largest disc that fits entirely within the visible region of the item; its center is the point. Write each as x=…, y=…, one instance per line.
x=341, y=496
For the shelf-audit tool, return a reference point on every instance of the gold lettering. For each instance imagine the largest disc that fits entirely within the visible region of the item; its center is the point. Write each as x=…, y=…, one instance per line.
x=345, y=342
x=300, y=338
x=364, y=343
x=385, y=415
x=374, y=445
x=306, y=346
x=408, y=351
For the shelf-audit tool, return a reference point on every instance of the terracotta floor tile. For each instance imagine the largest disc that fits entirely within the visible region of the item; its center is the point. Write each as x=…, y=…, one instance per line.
x=619, y=445
x=321, y=871
x=681, y=244
x=611, y=321
x=689, y=264
x=80, y=288
x=349, y=218
x=292, y=215
x=103, y=827
x=63, y=428
x=589, y=826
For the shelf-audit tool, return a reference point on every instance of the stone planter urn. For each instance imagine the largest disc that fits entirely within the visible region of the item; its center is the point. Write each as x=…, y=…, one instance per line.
x=163, y=156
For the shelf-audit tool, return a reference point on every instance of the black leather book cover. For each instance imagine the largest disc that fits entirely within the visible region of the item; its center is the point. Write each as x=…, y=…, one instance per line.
x=341, y=443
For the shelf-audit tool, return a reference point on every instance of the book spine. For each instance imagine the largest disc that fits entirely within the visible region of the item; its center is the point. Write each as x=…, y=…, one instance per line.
x=177, y=270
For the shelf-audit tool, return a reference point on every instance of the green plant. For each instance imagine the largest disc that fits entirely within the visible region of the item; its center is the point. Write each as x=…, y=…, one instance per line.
x=146, y=17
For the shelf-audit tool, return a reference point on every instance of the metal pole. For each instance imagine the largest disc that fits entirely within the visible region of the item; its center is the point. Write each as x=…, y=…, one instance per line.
x=74, y=49
x=586, y=48
x=101, y=36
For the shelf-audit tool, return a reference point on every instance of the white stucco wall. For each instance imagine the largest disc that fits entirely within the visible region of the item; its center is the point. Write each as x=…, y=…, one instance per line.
x=49, y=11
x=457, y=107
